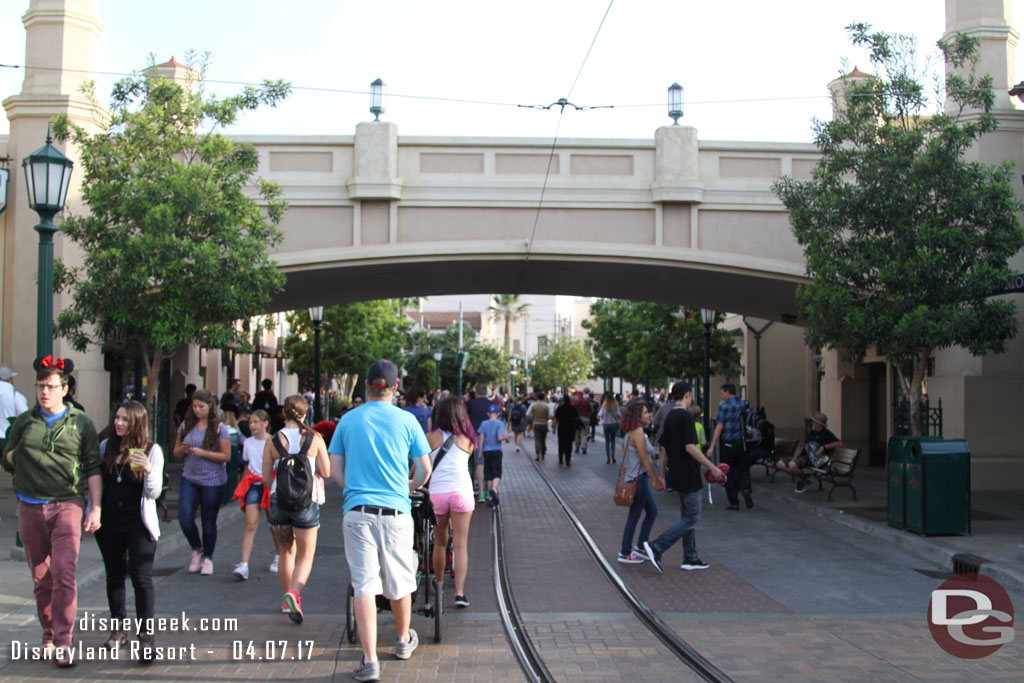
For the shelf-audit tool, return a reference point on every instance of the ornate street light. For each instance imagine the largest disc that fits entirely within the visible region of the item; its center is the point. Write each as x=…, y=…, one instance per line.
x=707, y=316
x=675, y=103
x=47, y=177
x=377, y=99
x=316, y=314
x=437, y=372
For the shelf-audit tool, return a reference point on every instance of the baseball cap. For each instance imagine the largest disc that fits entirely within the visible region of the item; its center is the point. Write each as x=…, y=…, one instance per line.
x=493, y=408
x=6, y=373
x=680, y=389
x=382, y=374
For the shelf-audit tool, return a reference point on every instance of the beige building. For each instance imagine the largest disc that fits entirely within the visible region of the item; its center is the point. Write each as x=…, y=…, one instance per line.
x=672, y=218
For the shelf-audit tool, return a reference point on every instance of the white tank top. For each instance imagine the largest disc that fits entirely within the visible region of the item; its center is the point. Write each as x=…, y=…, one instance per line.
x=252, y=452
x=452, y=473
x=294, y=438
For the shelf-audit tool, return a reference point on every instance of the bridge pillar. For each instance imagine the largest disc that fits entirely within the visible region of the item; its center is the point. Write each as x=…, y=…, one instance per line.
x=677, y=169
x=375, y=162
x=62, y=43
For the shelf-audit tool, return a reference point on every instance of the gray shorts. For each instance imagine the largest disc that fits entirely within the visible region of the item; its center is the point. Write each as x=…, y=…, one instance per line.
x=379, y=550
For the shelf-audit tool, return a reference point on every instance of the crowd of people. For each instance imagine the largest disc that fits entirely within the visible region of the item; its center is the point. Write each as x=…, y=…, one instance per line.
x=380, y=451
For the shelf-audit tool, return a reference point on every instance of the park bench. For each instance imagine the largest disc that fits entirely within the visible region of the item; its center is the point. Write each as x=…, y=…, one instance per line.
x=784, y=450
x=838, y=471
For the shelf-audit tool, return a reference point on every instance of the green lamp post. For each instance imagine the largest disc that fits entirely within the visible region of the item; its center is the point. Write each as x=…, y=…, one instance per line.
x=47, y=177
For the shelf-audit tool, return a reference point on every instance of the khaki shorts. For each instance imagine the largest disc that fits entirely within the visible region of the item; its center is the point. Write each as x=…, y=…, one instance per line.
x=379, y=550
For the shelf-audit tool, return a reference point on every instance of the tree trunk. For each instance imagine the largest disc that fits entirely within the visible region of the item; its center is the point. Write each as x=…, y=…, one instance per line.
x=508, y=332
x=152, y=367
x=915, y=391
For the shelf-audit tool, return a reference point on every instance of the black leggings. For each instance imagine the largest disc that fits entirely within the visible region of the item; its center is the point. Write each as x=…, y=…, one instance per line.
x=565, y=440
x=128, y=551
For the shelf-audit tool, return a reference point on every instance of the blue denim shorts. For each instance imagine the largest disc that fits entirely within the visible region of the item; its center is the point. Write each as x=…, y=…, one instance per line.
x=255, y=494
x=300, y=519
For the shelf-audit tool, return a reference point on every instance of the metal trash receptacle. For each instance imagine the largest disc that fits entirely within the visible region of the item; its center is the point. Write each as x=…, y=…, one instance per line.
x=937, y=485
x=896, y=478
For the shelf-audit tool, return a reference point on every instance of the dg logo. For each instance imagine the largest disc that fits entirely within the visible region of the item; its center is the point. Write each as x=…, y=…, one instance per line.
x=970, y=616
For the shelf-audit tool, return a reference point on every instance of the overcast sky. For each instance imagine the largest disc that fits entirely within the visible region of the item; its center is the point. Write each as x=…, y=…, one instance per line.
x=752, y=70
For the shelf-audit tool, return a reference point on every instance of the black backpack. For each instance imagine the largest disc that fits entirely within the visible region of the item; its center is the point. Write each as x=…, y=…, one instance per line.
x=516, y=414
x=294, y=477
x=751, y=423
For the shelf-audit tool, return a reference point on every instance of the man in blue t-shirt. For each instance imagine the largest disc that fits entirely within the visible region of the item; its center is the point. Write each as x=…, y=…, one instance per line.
x=492, y=433
x=371, y=453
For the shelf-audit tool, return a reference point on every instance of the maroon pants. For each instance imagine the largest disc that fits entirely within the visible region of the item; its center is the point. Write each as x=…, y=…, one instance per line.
x=52, y=533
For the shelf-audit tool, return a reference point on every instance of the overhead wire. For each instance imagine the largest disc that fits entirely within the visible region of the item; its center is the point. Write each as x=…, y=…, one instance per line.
x=551, y=155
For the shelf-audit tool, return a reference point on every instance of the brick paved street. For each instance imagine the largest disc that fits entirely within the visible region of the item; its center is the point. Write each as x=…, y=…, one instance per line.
x=787, y=597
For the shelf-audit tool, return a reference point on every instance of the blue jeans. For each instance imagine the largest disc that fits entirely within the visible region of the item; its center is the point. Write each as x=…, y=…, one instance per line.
x=643, y=502
x=685, y=528
x=610, y=431
x=190, y=497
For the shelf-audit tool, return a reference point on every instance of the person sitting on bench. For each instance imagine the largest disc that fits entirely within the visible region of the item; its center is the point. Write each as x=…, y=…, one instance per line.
x=817, y=443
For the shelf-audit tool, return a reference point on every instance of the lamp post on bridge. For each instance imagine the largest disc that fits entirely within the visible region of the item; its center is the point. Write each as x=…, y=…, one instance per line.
x=316, y=314
x=437, y=374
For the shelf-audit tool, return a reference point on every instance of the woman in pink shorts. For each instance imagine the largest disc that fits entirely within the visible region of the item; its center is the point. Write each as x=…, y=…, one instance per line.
x=451, y=489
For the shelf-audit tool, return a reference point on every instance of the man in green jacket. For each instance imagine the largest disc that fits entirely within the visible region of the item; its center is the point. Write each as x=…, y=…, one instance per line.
x=53, y=452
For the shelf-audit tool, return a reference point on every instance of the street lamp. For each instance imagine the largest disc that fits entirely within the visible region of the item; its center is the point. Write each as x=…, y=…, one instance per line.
x=707, y=316
x=437, y=370
x=47, y=176
x=377, y=99
x=316, y=314
x=675, y=103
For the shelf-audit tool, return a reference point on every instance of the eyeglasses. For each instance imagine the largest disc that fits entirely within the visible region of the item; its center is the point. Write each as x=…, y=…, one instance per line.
x=50, y=387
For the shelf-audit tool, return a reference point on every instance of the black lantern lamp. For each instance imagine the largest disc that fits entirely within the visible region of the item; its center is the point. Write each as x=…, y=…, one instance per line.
x=377, y=99
x=675, y=103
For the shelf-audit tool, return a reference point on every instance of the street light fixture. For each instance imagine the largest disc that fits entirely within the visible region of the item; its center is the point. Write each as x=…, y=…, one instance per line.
x=675, y=103
x=316, y=314
x=437, y=370
x=47, y=177
x=377, y=99
x=707, y=316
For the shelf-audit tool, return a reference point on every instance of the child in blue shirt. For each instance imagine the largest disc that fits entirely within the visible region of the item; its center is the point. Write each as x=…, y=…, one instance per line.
x=492, y=433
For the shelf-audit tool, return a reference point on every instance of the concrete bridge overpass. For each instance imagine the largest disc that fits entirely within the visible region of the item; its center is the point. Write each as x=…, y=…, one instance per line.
x=670, y=219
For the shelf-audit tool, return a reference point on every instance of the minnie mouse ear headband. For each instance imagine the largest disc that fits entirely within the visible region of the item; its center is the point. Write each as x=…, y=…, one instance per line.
x=65, y=365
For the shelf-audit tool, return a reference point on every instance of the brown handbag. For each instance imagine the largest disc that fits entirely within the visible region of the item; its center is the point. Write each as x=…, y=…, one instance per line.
x=625, y=493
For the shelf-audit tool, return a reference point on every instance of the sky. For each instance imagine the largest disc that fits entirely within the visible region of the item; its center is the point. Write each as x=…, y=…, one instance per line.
x=751, y=70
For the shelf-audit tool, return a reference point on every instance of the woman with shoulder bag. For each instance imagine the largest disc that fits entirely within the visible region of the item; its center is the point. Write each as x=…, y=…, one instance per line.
x=133, y=477
x=451, y=490
x=637, y=467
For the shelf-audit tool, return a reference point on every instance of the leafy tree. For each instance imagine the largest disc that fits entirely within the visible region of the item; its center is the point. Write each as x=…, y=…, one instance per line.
x=175, y=245
x=351, y=337
x=905, y=239
x=639, y=340
x=565, y=361
x=506, y=307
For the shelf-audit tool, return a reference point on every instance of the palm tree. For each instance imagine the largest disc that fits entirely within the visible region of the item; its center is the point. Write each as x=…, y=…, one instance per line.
x=507, y=307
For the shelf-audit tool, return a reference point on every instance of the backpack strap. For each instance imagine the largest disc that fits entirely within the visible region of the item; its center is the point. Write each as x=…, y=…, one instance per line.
x=307, y=443
x=282, y=451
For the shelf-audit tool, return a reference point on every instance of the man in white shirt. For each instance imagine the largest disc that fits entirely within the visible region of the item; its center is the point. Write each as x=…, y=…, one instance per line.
x=12, y=402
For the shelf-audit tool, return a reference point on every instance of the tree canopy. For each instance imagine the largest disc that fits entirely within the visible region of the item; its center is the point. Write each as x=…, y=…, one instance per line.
x=905, y=238
x=563, y=362
x=641, y=341
x=508, y=309
x=175, y=242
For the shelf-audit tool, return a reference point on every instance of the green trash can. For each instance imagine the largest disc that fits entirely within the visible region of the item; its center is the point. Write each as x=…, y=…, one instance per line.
x=937, y=485
x=896, y=482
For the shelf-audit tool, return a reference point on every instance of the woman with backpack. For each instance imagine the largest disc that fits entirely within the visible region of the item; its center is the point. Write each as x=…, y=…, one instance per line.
x=451, y=489
x=295, y=499
x=417, y=405
x=609, y=415
x=517, y=420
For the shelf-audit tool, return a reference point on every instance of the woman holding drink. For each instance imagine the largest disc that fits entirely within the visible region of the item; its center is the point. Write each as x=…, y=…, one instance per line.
x=133, y=472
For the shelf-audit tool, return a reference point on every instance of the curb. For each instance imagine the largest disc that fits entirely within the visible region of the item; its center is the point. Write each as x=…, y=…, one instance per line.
x=922, y=547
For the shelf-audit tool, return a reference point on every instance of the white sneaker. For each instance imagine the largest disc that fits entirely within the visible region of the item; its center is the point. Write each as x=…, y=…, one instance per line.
x=242, y=571
x=273, y=565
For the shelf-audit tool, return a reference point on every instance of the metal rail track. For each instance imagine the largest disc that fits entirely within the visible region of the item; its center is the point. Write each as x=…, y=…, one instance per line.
x=529, y=659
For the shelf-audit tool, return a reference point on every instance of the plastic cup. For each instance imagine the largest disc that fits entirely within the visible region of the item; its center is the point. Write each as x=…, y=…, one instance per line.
x=136, y=467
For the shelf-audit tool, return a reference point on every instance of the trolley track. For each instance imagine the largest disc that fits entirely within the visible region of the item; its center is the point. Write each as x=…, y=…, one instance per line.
x=526, y=653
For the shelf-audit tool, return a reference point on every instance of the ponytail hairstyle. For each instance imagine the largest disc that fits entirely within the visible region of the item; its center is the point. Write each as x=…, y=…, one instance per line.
x=212, y=437
x=48, y=366
x=450, y=415
x=135, y=436
x=295, y=409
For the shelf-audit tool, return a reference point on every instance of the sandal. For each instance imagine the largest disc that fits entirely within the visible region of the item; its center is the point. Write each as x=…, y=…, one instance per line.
x=117, y=639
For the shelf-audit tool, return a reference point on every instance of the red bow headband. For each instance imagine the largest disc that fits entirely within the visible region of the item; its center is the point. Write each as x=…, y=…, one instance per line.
x=49, y=362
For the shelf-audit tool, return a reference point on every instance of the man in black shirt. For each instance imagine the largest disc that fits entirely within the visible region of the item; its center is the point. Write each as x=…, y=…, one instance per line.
x=680, y=449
